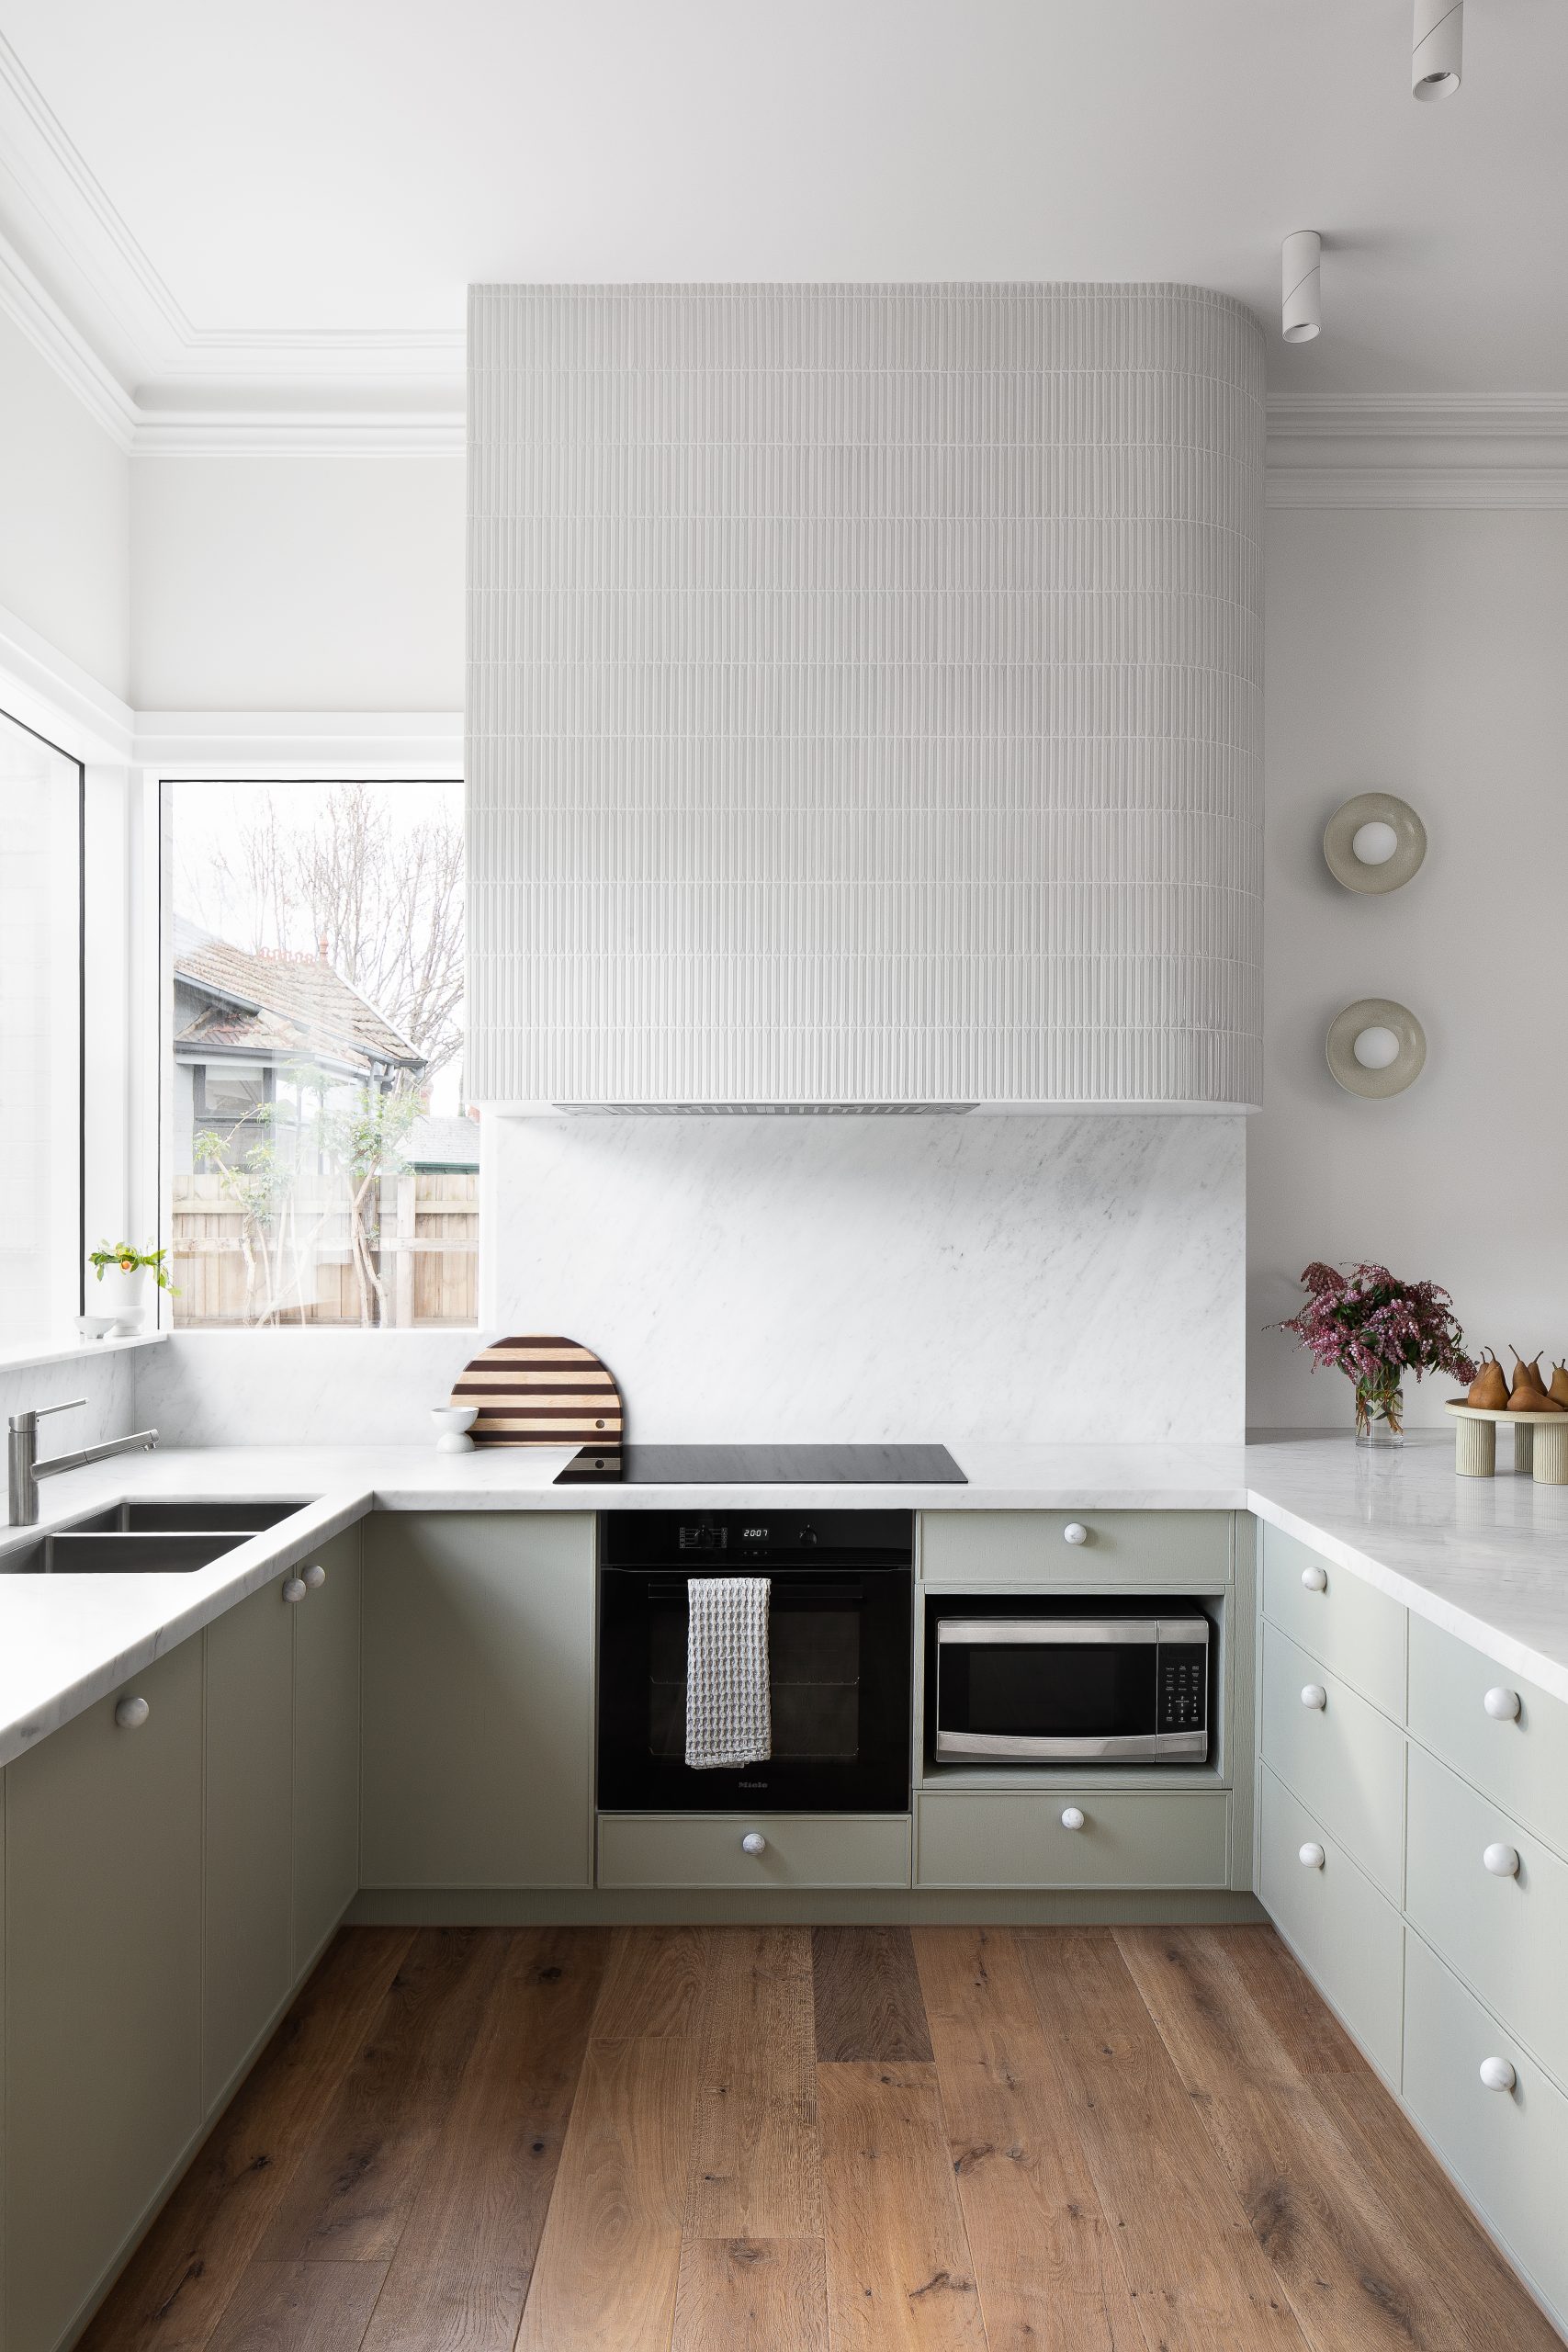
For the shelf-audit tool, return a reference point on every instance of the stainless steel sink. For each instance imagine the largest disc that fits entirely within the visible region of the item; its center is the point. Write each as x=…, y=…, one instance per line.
x=179, y=1518
x=146, y=1552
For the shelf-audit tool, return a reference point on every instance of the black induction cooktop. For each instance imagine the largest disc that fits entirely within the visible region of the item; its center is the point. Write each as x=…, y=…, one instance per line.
x=789, y=1465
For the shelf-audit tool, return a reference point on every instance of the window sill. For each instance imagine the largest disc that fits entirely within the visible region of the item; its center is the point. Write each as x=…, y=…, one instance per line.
x=77, y=1351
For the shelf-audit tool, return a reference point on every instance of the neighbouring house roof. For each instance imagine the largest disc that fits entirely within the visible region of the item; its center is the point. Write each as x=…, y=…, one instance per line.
x=450, y=1143
x=281, y=1007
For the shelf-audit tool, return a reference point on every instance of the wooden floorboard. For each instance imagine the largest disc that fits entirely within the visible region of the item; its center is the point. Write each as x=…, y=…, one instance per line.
x=867, y=1992
x=1200, y=2279
x=1045, y=2257
x=459, y=2276
x=752, y=2295
x=171, y=2294
x=898, y=2267
x=780, y=2139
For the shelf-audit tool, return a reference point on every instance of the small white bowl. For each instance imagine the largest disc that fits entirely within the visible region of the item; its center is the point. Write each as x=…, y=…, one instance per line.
x=94, y=1327
x=453, y=1423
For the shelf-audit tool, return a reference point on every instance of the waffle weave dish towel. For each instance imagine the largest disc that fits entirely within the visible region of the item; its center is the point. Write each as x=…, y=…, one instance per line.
x=727, y=1718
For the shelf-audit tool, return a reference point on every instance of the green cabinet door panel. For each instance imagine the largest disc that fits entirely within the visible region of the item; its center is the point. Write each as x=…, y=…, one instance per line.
x=1343, y=1759
x=103, y=2012
x=1508, y=2149
x=247, y=1929
x=1180, y=1547
x=1348, y=1937
x=1522, y=1758
x=1338, y=1618
x=326, y=1745
x=797, y=1850
x=478, y=1699
x=1133, y=1839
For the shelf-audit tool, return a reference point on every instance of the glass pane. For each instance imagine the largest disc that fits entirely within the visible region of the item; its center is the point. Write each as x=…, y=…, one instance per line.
x=40, y=1039
x=325, y=1166
x=813, y=1682
x=1020, y=1688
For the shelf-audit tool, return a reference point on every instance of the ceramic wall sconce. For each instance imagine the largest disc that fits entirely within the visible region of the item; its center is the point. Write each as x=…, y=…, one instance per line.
x=1376, y=1047
x=1374, y=842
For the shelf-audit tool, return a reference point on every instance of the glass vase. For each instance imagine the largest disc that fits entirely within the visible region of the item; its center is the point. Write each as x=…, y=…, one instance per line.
x=1379, y=1413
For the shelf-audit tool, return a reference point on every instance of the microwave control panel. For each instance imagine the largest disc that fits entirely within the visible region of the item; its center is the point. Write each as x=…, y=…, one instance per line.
x=1184, y=1686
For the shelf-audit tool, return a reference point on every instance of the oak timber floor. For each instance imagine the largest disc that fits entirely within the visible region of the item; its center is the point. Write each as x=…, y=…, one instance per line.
x=788, y=2139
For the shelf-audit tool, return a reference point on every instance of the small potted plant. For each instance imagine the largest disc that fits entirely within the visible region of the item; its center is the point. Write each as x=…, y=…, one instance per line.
x=1374, y=1329
x=122, y=1270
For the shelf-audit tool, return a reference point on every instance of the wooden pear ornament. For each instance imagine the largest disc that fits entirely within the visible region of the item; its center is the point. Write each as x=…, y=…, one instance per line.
x=1489, y=1389
x=1527, y=1375
x=1558, y=1392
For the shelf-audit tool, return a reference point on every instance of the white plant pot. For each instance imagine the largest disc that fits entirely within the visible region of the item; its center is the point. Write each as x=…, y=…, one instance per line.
x=123, y=1296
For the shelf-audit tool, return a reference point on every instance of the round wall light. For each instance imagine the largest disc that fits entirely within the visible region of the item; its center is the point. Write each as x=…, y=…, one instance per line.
x=1437, y=43
x=1301, y=284
x=1376, y=1047
x=1374, y=842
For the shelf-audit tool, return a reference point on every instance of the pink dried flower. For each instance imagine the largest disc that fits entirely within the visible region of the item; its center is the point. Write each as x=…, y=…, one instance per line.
x=1375, y=1328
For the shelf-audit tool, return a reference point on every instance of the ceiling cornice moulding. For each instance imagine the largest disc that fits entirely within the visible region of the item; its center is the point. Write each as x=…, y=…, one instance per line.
x=1433, y=449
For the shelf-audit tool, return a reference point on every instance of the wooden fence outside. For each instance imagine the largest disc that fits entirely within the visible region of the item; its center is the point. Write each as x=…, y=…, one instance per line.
x=426, y=1254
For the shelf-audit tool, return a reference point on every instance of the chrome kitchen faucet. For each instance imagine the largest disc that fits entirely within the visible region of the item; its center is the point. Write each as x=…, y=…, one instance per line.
x=24, y=1469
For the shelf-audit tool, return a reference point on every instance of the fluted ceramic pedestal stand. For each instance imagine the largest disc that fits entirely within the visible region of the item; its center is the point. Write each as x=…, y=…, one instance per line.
x=1540, y=1443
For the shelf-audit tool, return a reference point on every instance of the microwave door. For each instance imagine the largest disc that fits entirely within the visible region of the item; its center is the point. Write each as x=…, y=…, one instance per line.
x=1053, y=1691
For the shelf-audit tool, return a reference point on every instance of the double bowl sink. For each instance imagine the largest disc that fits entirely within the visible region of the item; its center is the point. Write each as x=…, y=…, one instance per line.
x=146, y=1539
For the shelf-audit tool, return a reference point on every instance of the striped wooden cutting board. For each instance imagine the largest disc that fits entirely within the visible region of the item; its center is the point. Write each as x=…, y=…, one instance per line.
x=542, y=1391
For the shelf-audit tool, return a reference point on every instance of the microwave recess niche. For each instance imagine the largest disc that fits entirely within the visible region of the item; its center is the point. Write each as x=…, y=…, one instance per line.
x=545, y=1391
x=1375, y=843
x=1376, y=1047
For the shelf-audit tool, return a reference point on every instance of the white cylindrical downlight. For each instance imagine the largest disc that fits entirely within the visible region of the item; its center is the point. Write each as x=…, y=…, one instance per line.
x=1434, y=50
x=1301, y=270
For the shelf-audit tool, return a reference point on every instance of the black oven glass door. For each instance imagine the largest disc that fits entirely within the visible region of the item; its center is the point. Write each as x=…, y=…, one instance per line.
x=839, y=1673
x=1050, y=1689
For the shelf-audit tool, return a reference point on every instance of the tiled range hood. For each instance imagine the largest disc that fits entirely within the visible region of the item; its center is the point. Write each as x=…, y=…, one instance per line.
x=864, y=698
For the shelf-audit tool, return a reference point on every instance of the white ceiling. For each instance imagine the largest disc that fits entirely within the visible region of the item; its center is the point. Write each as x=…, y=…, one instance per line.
x=295, y=196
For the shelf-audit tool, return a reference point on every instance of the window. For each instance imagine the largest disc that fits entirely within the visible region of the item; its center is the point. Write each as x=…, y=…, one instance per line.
x=321, y=1162
x=40, y=1039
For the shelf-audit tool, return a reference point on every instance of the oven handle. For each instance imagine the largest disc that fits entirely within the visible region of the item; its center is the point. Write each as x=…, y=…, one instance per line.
x=784, y=1589
x=983, y=1633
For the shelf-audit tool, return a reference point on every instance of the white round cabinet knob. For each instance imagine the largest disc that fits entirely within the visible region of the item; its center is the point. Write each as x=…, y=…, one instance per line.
x=1314, y=1695
x=315, y=1576
x=1075, y=1531
x=1497, y=2075
x=753, y=1842
x=1503, y=1706
x=1503, y=1861
x=294, y=1589
x=1311, y=1856
x=1315, y=1579
x=1072, y=1818
x=131, y=1713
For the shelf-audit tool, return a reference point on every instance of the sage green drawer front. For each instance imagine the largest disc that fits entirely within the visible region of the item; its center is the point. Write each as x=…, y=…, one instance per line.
x=1350, y=1939
x=1183, y=1547
x=1521, y=1759
x=799, y=1849
x=1343, y=1759
x=1507, y=1935
x=1338, y=1617
x=1509, y=2148
x=1155, y=1838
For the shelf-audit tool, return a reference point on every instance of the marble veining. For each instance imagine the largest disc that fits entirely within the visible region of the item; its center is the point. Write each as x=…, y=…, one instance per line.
x=291, y=1388
x=1484, y=1559
x=870, y=1280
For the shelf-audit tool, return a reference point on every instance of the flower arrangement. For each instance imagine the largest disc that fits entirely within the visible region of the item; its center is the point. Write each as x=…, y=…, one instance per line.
x=128, y=1259
x=1374, y=1329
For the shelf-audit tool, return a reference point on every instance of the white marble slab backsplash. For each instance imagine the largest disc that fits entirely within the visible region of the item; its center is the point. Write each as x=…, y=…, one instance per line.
x=106, y=1381
x=1019, y=1278
x=314, y=1387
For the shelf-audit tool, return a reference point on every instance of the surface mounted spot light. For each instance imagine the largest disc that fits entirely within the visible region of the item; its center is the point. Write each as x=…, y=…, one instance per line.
x=1435, y=47
x=1301, y=260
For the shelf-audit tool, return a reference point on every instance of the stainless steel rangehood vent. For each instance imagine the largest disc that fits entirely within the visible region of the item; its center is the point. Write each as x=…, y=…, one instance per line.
x=864, y=698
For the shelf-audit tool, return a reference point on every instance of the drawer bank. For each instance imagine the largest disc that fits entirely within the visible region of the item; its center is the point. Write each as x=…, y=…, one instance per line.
x=410, y=1736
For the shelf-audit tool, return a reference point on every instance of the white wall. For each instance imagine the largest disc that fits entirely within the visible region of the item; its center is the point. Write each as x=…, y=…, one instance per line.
x=1423, y=653
x=870, y=1278
x=275, y=580
x=64, y=516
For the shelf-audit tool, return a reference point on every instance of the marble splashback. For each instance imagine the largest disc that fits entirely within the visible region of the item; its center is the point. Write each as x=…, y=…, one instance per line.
x=1025, y=1279
x=106, y=1381
x=316, y=1387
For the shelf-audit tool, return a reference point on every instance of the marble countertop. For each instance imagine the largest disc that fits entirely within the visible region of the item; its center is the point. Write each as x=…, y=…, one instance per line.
x=1486, y=1558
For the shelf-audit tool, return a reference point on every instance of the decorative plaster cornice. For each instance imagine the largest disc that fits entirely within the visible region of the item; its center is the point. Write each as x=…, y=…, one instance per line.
x=1425, y=451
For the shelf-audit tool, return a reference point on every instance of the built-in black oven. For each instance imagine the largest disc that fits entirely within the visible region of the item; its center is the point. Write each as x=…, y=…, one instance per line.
x=1020, y=1680
x=838, y=1658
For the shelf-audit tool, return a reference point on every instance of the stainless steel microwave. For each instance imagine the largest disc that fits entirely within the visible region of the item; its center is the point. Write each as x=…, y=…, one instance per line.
x=1052, y=1682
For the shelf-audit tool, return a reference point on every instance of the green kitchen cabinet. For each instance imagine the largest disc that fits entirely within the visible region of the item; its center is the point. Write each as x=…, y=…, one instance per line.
x=326, y=1742
x=103, y=2012
x=477, y=1752
x=247, y=1954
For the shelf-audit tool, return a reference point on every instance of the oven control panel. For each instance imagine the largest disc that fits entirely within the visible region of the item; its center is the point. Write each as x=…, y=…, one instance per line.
x=1183, y=1687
